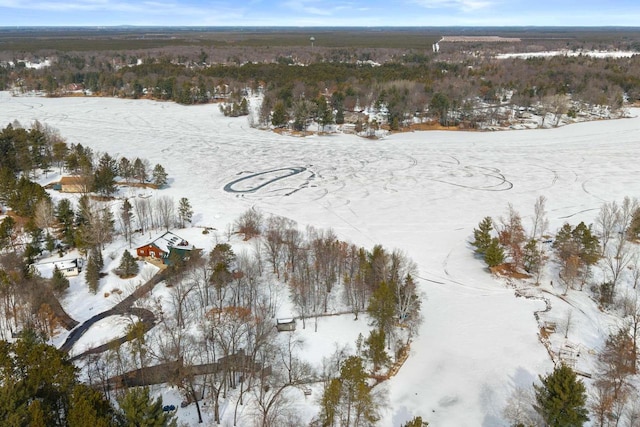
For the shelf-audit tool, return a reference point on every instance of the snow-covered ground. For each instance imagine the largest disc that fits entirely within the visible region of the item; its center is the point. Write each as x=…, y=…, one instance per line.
x=549, y=53
x=421, y=192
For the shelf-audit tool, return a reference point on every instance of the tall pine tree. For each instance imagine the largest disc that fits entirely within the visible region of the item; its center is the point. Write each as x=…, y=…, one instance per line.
x=482, y=235
x=494, y=254
x=40, y=387
x=159, y=175
x=59, y=282
x=140, y=410
x=185, y=212
x=128, y=266
x=382, y=308
x=374, y=349
x=561, y=399
x=92, y=274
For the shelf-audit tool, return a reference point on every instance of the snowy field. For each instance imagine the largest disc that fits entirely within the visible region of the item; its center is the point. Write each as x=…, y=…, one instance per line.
x=549, y=53
x=421, y=192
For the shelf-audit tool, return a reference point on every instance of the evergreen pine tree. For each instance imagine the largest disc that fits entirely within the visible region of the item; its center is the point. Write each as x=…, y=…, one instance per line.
x=59, y=282
x=49, y=243
x=31, y=252
x=532, y=256
x=244, y=107
x=159, y=175
x=139, y=170
x=104, y=181
x=634, y=227
x=7, y=228
x=381, y=309
x=588, y=243
x=92, y=274
x=185, y=212
x=128, y=266
x=138, y=409
x=416, y=422
x=482, y=235
x=89, y=408
x=126, y=216
x=324, y=114
x=329, y=402
x=356, y=395
x=125, y=169
x=279, y=116
x=39, y=387
x=561, y=399
x=65, y=216
x=494, y=254
x=375, y=349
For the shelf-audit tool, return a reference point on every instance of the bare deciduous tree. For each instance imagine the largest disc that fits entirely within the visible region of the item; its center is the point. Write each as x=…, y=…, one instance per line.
x=143, y=211
x=44, y=214
x=512, y=236
x=616, y=260
x=249, y=224
x=607, y=220
x=612, y=386
x=274, y=379
x=540, y=221
x=165, y=209
x=627, y=209
x=519, y=408
x=274, y=241
x=570, y=272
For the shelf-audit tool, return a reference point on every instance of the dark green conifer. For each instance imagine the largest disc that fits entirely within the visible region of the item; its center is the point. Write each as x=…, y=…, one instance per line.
x=561, y=399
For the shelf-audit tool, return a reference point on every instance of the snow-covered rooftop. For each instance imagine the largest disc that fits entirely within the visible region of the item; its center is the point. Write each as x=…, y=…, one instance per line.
x=167, y=240
x=46, y=268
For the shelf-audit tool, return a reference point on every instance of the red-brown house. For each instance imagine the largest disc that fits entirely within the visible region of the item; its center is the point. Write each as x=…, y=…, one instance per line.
x=162, y=246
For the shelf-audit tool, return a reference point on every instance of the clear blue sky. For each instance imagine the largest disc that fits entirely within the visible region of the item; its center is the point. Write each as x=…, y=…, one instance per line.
x=319, y=12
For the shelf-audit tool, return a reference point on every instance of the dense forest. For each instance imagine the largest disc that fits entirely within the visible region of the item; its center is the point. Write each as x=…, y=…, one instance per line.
x=457, y=85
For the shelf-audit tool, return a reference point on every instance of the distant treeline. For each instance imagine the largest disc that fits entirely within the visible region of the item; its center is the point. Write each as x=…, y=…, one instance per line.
x=405, y=80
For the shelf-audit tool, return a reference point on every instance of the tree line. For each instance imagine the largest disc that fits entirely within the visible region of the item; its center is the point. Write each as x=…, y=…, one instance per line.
x=25, y=152
x=450, y=86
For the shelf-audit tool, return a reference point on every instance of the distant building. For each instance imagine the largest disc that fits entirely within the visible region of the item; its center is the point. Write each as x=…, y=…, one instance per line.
x=68, y=267
x=163, y=246
x=70, y=184
x=288, y=324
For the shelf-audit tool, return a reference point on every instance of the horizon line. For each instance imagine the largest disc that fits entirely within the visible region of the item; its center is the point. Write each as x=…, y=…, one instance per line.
x=319, y=26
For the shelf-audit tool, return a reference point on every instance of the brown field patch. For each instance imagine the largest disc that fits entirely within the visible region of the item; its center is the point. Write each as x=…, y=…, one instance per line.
x=508, y=270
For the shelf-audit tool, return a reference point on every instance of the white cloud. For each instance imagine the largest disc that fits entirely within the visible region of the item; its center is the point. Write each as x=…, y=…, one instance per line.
x=61, y=6
x=142, y=9
x=322, y=7
x=462, y=5
x=307, y=6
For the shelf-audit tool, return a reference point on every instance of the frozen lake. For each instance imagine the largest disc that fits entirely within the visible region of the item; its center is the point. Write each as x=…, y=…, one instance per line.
x=421, y=192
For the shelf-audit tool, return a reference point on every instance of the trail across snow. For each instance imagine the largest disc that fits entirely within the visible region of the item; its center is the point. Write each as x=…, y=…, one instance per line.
x=421, y=192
